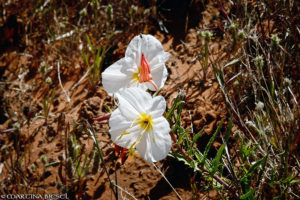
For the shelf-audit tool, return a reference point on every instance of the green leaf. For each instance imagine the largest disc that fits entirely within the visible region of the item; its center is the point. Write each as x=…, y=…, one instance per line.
x=256, y=165
x=180, y=157
x=212, y=139
x=179, y=110
x=53, y=164
x=182, y=136
x=85, y=58
x=217, y=159
x=288, y=179
x=250, y=172
x=228, y=131
x=295, y=181
x=262, y=169
x=248, y=195
x=90, y=44
x=195, y=138
x=232, y=62
x=98, y=57
x=169, y=113
x=198, y=155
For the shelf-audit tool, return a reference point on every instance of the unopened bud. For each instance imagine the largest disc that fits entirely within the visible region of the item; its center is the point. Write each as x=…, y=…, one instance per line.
x=259, y=61
x=44, y=159
x=232, y=27
x=43, y=68
x=236, y=83
x=275, y=41
x=207, y=35
x=48, y=80
x=241, y=34
x=260, y=105
x=83, y=12
x=109, y=12
x=287, y=82
x=32, y=167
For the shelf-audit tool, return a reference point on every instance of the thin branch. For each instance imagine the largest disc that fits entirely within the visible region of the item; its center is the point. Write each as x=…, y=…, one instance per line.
x=167, y=181
x=59, y=79
x=123, y=190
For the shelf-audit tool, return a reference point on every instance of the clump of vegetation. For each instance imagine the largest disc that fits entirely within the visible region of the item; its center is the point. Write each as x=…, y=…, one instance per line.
x=256, y=79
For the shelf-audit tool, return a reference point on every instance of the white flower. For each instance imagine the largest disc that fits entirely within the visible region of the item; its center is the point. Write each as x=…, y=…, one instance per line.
x=138, y=124
x=144, y=56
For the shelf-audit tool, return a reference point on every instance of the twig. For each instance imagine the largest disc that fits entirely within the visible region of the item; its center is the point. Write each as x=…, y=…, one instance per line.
x=167, y=181
x=58, y=74
x=80, y=80
x=123, y=190
x=103, y=117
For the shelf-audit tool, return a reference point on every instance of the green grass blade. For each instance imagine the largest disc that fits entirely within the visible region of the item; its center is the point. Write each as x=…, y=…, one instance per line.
x=182, y=136
x=250, y=172
x=195, y=138
x=212, y=139
x=248, y=195
x=90, y=43
x=52, y=164
x=228, y=131
x=175, y=104
x=216, y=161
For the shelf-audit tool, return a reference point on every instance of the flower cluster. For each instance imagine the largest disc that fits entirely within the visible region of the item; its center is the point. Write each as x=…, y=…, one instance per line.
x=138, y=123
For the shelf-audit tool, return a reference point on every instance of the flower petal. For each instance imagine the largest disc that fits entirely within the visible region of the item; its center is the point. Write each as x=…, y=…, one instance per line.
x=158, y=107
x=128, y=139
x=151, y=47
x=147, y=44
x=118, y=123
x=159, y=77
x=133, y=49
x=118, y=75
x=126, y=108
x=156, y=150
x=159, y=59
x=118, y=126
x=136, y=98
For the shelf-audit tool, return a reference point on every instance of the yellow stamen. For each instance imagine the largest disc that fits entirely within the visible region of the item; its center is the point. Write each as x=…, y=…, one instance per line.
x=145, y=121
x=135, y=76
x=124, y=133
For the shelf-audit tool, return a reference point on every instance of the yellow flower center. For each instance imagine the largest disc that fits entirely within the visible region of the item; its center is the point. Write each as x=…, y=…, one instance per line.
x=145, y=122
x=135, y=76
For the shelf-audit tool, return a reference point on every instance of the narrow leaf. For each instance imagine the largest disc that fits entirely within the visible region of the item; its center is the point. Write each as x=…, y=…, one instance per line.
x=90, y=44
x=228, y=131
x=212, y=139
x=182, y=136
x=177, y=99
x=216, y=161
x=195, y=138
x=248, y=195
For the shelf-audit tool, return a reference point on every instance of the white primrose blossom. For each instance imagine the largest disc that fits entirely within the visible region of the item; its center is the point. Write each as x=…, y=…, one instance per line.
x=138, y=124
x=143, y=66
